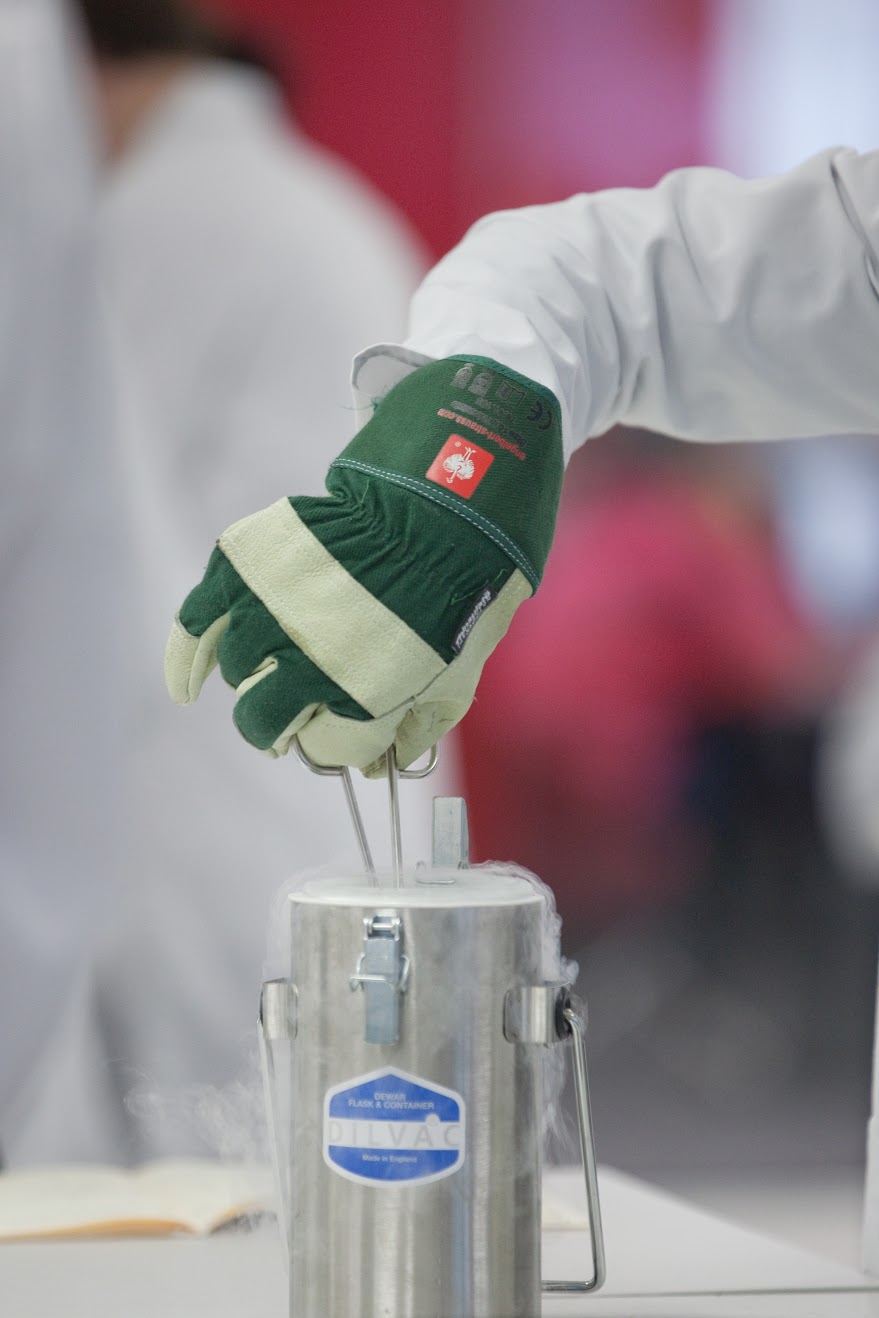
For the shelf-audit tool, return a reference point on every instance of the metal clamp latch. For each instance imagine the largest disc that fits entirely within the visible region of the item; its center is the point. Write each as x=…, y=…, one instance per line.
x=382, y=971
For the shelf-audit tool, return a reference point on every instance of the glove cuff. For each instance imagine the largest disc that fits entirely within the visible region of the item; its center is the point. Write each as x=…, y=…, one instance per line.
x=477, y=438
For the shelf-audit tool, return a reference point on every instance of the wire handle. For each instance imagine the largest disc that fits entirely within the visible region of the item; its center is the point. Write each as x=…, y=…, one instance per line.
x=342, y=771
x=571, y=1022
x=394, y=775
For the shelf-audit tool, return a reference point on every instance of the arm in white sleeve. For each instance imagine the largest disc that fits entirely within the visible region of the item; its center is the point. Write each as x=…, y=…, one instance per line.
x=707, y=307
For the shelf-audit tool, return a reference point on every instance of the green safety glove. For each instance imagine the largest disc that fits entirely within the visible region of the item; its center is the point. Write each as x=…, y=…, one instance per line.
x=363, y=619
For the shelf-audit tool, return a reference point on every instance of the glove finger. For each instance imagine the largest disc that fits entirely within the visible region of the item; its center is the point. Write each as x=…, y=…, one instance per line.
x=424, y=726
x=189, y=659
x=418, y=731
x=330, y=739
x=281, y=694
x=202, y=620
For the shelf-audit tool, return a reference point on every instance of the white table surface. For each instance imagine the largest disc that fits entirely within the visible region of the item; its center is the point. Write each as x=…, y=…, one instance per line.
x=665, y=1260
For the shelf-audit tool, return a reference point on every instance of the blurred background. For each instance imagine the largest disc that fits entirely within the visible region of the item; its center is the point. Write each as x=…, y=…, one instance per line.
x=667, y=736
x=681, y=734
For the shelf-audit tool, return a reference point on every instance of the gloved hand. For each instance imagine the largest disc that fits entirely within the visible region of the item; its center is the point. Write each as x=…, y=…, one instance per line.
x=364, y=618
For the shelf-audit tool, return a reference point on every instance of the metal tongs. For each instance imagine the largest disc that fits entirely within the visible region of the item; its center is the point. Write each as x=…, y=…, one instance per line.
x=394, y=775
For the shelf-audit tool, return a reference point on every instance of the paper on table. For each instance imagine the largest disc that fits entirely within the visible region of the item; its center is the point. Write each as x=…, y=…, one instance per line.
x=162, y=1197
x=192, y=1195
x=560, y=1216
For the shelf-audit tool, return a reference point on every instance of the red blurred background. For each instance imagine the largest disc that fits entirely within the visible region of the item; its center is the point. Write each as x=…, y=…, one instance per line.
x=454, y=109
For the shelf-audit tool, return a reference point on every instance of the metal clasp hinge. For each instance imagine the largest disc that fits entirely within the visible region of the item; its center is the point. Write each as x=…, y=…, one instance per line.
x=382, y=972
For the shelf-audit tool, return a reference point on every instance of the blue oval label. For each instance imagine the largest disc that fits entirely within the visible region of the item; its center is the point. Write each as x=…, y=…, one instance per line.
x=389, y=1127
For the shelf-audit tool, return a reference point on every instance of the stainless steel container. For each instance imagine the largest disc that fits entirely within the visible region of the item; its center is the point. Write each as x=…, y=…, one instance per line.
x=412, y=1121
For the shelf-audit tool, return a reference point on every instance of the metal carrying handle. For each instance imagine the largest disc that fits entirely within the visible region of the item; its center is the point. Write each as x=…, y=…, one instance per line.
x=545, y=1014
x=571, y=1023
x=394, y=775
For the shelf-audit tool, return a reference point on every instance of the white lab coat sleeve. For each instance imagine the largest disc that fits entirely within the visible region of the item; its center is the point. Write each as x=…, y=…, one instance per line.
x=707, y=307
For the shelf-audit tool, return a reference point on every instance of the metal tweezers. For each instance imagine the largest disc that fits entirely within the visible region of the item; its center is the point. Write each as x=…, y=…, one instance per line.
x=394, y=775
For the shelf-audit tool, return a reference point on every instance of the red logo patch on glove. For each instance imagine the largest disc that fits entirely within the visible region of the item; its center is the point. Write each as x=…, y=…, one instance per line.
x=460, y=465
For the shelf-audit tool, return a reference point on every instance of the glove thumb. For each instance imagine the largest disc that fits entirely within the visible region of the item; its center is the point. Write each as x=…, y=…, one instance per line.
x=189, y=659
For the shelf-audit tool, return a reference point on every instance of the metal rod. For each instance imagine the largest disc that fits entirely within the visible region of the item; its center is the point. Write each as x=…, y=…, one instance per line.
x=432, y=762
x=587, y=1142
x=394, y=803
x=357, y=820
x=577, y=1026
x=394, y=775
x=322, y=770
x=342, y=771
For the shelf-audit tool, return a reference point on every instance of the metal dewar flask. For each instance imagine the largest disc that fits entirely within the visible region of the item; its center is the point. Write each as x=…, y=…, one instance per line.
x=407, y=1101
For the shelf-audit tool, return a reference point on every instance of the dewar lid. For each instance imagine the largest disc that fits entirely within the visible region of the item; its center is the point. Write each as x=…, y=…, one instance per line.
x=427, y=888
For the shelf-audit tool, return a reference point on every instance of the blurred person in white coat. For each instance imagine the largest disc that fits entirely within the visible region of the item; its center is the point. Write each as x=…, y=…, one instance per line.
x=62, y=541
x=242, y=268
